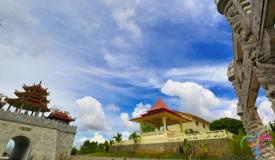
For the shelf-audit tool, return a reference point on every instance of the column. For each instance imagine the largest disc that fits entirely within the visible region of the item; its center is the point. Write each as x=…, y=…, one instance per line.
x=164, y=123
x=9, y=108
x=180, y=126
x=141, y=126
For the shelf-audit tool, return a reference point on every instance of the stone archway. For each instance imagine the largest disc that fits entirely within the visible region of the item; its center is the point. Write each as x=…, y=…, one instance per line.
x=21, y=148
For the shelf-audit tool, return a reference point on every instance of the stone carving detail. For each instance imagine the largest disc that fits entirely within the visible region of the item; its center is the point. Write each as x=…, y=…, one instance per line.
x=252, y=65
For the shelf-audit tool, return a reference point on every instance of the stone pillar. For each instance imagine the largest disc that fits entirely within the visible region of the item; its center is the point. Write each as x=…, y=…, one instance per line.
x=164, y=124
x=180, y=123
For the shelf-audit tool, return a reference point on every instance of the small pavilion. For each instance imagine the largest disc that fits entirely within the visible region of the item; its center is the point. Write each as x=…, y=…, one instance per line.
x=160, y=116
x=33, y=98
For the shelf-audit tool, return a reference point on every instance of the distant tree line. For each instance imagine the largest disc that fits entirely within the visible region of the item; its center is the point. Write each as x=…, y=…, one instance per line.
x=95, y=147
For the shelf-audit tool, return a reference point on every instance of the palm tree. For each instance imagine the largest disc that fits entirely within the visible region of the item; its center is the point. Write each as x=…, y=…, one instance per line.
x=134, y=136
x=118, y=137
x=106, y=146
x=111, y=142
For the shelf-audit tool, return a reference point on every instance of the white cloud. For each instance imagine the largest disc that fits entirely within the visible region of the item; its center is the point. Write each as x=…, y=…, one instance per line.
x=125, y=135
x=112, y=107
x=230, y=110
x=195, y=98
x=124, y=19
x=91, y=114
x=198, y=100
x=124, y=117
x=96, y=138
x=140, y=109
x=265, y=111
x=212, y=74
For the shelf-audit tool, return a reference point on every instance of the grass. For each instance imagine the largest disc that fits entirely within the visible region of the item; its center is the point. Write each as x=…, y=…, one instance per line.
x=141, y=155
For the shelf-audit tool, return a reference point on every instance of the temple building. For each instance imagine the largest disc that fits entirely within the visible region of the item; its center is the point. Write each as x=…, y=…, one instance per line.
x=164, y=119
x=172, y=126
x=33, y=98
x=61, y=116
x=34, y=101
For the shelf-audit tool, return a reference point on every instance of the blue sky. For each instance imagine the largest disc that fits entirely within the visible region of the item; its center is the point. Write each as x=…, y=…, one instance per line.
x=107, y=61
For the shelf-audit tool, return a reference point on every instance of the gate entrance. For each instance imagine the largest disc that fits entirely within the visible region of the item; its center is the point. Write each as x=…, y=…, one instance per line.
x=17, y=148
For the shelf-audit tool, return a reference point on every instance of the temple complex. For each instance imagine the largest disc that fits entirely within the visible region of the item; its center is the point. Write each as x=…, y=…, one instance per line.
x=173, y=126
x=35, y=135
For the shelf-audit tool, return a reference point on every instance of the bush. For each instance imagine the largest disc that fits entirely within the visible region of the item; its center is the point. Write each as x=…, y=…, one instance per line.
x=236, y=149
x=74, y=151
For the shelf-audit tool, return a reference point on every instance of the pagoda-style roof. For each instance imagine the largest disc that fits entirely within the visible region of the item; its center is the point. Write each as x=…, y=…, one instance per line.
x=36, y=88
x=61, y=116
x=158, y=110
x=31, y=94
x=28, y=104
x=34, y=98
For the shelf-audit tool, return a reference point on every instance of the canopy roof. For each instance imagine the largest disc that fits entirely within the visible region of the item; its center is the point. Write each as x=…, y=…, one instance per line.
x=28, y=104
x=34, y=98
x=36, y=88
x=159, y=110
x=58, y=115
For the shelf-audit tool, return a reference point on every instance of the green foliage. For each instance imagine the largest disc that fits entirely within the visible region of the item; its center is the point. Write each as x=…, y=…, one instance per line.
x=111, y=142
x=236, y=149
x=118, y=137
x=272, y=126
x=90, y=147
x=135, y=137
x=147, y=127
x=74, y=151
x=187, y=149
x=203, y=150
x=106, y=145
x=232, y=125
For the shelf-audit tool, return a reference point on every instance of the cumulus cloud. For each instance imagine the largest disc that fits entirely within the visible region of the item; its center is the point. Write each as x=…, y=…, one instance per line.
x=96, y=138
x=112, y=107
x=125, y=135
x=91, y=114
x=195, y=98
x=124, y=117
x=265, y=111
x=140, y=109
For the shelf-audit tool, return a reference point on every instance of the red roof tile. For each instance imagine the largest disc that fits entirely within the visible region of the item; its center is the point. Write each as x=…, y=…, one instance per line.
x=158, y=105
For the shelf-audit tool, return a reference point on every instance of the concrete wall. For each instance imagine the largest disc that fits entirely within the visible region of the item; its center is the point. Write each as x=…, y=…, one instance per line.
x=48, y=139
x=190, y=125
x=216, y=147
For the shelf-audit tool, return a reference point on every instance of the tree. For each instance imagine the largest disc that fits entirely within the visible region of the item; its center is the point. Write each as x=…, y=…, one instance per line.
x=118, y=137
x=272, y=126
x=231, y=125
x=106, y=146
x=235, y=147
x=90, y=147
x=111, y=142
x=74, y=151
x=135, y=137
x=147, y=127
x=187, y=149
